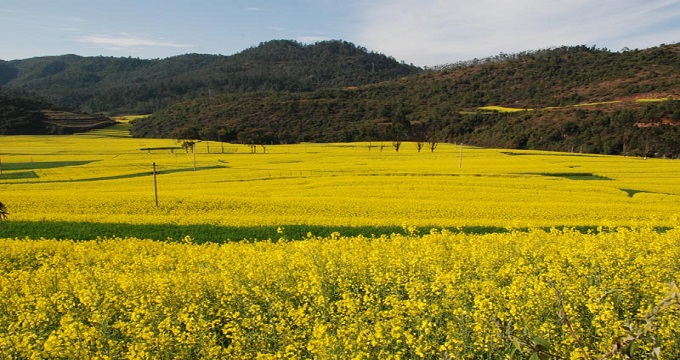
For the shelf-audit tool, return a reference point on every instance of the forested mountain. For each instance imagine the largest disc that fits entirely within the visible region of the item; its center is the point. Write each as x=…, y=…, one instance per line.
x=574, y=98
x=128, y=85
x=577, y=99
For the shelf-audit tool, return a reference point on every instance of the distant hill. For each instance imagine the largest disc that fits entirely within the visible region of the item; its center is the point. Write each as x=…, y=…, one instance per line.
x=128, y=85
x=29, y=116
x=569, y=98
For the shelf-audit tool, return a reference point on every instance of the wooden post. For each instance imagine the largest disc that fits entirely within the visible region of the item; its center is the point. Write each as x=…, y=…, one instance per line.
x=194, y=148
x=155, y=184
x=460, y=156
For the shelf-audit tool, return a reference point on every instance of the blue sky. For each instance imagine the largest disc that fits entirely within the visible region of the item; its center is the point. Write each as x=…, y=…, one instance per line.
x=421, y=32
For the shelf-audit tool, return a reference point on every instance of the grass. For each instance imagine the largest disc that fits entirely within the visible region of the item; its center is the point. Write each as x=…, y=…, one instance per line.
x=203, y=233
x=199, y=233
x=577, y=176
x=42, y=165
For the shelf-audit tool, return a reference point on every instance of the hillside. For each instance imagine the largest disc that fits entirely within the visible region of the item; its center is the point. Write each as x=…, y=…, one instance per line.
x=29, y=116
x=128, y=85
x=551, y=88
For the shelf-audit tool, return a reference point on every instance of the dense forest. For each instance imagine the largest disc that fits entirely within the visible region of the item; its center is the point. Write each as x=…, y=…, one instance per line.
x=574, y=98
x=134, y=86
x=29, y=116
x=22, y=116
x=443, y=105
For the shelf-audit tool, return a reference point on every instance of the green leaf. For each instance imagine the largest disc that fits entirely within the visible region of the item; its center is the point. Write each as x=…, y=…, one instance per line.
x=516, y=344
x=630, y=349
x=541, y=343
x=534, y=356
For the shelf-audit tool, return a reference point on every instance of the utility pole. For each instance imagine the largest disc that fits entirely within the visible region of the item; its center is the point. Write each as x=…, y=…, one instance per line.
x=194, y=149
x=155, y=184
x=460, y=156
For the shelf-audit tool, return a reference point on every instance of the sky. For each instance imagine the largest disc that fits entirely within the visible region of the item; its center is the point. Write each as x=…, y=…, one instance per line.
x=418, y=32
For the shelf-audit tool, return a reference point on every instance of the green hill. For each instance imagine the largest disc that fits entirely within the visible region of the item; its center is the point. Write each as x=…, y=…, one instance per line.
x=575, y=98
x=128, y=85
x=569, y=98
x=30, y=116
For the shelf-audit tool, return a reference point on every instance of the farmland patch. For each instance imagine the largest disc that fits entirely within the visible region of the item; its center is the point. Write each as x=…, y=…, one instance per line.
x=576, y=176
x=42, y=165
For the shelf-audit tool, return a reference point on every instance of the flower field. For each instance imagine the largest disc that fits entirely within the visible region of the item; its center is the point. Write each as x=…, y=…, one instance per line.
x=104, y=179
x=430, y=296
x=538, y=289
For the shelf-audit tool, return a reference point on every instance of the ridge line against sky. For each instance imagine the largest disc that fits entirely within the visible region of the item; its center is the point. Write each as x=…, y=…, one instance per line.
x=424, y=33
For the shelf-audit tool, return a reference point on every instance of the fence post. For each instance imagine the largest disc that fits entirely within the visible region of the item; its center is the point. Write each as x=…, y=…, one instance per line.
x=155, y=184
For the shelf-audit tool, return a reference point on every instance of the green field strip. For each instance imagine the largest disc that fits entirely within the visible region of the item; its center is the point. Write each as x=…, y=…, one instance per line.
x=574, y=176
x=9, y=166
x=125, y=176
x=84, y=231
x=15, y=175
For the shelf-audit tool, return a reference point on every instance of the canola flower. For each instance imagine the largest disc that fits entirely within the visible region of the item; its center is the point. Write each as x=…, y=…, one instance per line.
x=436, y=295
x=88, y=178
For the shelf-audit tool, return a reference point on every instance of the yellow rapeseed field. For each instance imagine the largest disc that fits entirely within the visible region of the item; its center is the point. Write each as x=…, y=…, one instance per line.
x=107, y=179
x=439, y=295
x=432, y=292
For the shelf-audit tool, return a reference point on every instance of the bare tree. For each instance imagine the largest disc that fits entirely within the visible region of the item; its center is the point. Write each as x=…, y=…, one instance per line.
x=187, y=145
x=397, y=145
x=433, y=144
x=419, y=145
x=220, y=134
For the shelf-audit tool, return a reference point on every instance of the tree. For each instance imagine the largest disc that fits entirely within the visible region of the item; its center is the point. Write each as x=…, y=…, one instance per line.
x=433, y=144
x=187, y=145
x=256, y=136
x=3, y=212
x=397, y=145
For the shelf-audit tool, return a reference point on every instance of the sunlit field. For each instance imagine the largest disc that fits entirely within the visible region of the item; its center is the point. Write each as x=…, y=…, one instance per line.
x=104, y=179
x=333, y=251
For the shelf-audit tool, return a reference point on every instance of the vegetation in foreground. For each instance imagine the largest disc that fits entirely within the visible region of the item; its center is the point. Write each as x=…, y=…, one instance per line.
x=556, y=294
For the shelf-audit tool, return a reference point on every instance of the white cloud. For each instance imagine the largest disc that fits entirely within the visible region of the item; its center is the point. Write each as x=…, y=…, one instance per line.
x=121, y=41
x=435, y=32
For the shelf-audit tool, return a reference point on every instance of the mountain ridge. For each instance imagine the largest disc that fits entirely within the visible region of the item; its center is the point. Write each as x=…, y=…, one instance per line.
x=116, y=85
x=563, y=98
x=577, y=94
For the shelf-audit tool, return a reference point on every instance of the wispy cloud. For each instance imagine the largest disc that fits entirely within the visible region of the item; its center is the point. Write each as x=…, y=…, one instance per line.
x=441, y=31
x=121, y=41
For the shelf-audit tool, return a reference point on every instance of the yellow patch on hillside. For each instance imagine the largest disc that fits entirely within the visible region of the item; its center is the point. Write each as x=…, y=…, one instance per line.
x=503, y=108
